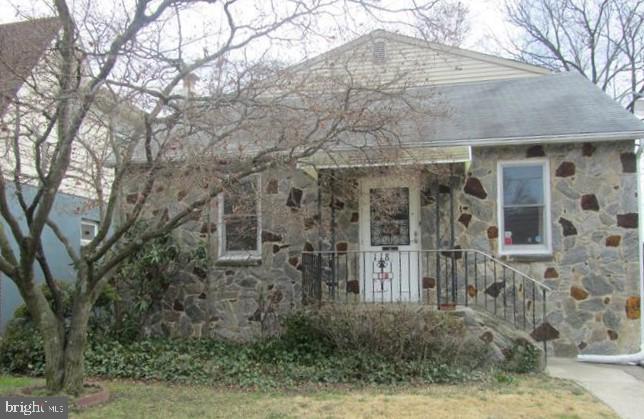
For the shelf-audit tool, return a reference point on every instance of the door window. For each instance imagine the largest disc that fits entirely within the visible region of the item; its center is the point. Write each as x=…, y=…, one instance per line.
x=389, y=216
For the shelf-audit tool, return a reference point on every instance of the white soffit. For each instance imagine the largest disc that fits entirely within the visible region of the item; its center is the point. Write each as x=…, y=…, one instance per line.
x=376, y=157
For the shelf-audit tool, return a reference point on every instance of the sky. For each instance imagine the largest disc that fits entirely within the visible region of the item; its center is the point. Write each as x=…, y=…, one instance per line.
x=485, y=22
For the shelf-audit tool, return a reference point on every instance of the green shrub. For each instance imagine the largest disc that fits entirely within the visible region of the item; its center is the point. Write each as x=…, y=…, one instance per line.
x=523, y=358
x=142, y=279
x=302, y=341
x=398, y=333
x=140, y=282
x=21, y=349
x=372, y=345
x=263, y=364
x=311, y=350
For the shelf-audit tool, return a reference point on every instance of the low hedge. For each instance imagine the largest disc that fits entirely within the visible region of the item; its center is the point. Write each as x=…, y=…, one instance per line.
x=338, y=345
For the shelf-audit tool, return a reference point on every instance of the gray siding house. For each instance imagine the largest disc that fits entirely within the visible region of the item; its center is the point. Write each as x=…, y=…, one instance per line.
x=72, y=215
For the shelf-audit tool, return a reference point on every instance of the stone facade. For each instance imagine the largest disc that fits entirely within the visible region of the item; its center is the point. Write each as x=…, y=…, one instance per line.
x=593, y=269
x=239, y=300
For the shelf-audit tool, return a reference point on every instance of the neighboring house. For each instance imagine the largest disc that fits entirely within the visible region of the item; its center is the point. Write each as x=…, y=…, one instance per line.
x=520, y=199
x=26, y=55
x=79, y=223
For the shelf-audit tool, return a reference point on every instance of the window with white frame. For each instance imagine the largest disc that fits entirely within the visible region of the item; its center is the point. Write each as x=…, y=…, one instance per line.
x=239, y=220
x=88, y=230
x=524, y=207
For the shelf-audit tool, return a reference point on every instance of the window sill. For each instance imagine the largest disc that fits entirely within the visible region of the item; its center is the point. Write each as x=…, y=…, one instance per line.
x=527, y=257
x=239, y=260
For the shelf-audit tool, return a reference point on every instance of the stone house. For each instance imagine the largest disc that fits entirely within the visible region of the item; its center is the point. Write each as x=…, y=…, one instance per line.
x=520, y=200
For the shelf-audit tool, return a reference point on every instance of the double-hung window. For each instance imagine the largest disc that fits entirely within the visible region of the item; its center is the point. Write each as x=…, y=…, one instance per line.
x=239, y=221
x=88, y=230
x=524, y=207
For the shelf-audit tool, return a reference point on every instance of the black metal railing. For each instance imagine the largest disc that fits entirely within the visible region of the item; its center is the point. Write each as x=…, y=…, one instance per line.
x=444, y=278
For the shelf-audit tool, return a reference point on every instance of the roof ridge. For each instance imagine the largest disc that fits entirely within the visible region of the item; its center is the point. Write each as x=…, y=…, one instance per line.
x=457, y=48
x=423, y=43
x=30, y=20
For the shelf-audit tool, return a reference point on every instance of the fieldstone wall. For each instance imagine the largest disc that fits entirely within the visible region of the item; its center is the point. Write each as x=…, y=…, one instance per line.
x=239, y=300
x=593, y=270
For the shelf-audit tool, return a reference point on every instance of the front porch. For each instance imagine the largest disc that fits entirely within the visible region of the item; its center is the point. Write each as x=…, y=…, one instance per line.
x=406, y=234
x=443, y=279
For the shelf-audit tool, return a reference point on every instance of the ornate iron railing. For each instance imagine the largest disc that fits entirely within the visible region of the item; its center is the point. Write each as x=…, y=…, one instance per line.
x=444, y=278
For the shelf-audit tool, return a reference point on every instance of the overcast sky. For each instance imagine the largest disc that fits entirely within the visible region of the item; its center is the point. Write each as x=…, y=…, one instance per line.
x=485, y=21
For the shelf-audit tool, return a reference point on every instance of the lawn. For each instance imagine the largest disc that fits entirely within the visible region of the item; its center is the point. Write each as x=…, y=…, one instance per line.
x=518, y=397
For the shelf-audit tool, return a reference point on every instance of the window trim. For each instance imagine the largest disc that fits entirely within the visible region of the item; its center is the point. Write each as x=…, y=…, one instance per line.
x=525, y=249
x=239, y=255
x=93, y=223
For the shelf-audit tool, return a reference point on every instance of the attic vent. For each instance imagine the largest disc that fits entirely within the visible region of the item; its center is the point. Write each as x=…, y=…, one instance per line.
x=379, y=52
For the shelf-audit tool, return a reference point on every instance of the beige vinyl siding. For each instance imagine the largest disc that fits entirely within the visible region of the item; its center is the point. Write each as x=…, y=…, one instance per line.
x=83, y=173
x=416, y=65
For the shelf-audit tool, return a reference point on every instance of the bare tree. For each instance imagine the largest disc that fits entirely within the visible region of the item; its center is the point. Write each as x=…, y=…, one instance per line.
x=601, y=39
x=448, y=24
x=110, y=96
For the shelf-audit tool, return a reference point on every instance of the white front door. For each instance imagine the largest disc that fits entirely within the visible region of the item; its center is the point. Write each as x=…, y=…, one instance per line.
x=390, y=238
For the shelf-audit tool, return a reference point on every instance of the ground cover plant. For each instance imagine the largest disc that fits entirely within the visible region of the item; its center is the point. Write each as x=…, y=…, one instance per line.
x=332, y=345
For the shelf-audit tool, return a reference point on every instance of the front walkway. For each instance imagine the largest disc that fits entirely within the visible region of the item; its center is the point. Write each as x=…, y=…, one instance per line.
x=619, y=386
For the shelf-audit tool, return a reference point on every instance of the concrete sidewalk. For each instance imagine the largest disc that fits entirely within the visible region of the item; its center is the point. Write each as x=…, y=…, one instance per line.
x=620, y=387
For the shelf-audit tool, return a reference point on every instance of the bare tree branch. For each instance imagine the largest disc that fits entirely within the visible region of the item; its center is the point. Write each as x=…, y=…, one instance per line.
x=601, y=39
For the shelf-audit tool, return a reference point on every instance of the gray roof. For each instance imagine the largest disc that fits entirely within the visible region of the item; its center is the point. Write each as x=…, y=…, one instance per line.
x=557, y=107
x=21, y=46
x=562, y=107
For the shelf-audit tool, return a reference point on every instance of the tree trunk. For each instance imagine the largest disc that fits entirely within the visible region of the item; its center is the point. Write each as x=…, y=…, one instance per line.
x=53, y=335
x=52, y=330
x=64, y=350
x=75, y=348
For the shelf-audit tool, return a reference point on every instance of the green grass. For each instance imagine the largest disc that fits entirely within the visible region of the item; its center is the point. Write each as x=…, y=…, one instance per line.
x=536, y=396
x=10, y=384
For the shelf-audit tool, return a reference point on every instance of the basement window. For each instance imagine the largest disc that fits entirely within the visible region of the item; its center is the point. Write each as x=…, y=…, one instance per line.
x=524, y=207
x=239, y=221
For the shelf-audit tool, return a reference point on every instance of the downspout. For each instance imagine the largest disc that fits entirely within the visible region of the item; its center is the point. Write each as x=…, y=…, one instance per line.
x=452, y=238
x=333, y=237
x=1, y=328
x=636, y=358
x=319, y=210
x=438, y=245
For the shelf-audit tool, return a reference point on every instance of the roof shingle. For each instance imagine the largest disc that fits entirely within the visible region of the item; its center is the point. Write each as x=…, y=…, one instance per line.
x=545, y=107
x=22, y=44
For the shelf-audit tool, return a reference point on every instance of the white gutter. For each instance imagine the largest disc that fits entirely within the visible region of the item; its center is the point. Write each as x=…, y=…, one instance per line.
x=501, y=141
x=636, y=358
x=380, y=164
x=561, y=139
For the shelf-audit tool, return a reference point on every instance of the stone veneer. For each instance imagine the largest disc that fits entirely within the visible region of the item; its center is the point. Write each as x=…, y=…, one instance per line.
x=593, y=269
x=233, y=299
